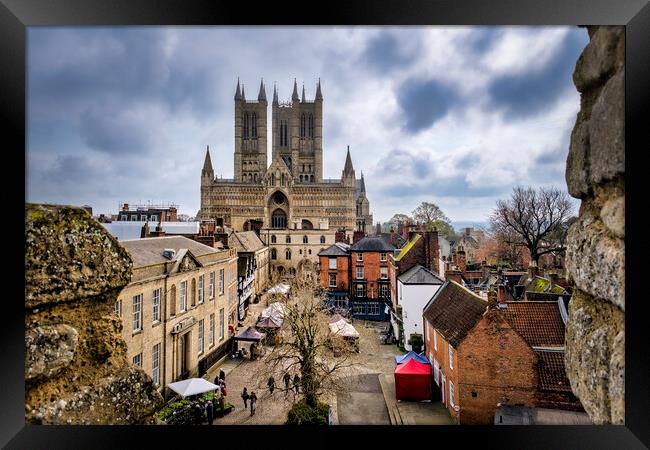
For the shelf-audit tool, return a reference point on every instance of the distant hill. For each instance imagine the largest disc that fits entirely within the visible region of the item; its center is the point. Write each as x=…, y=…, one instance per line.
x=458, y=226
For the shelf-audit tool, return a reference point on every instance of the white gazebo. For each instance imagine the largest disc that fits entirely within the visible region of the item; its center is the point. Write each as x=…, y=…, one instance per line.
x=192, y=386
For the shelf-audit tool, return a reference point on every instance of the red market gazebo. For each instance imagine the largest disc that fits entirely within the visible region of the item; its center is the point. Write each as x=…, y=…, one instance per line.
x=413, y=381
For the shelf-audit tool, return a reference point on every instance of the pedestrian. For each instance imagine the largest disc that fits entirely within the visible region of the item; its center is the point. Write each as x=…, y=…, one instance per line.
x=198, y=414
x=223, y=388
x=296, y=383
x=222, y=374
x=271, y=384
x=287, y=380
x=220, y=411
x=209, y=411
x=245, y=397
x=253, y=399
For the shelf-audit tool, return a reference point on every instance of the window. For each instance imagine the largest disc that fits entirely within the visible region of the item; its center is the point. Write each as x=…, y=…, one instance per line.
x=287, y=239
x=273, y=240
x=254, y=124
x=451, y=357
x=332, y=263
x=436, y=371
x=200, y=289
x=384, y=273
x=435, y=340
x=221, y=324
x=382, y=256
x=155, y=364
x=137, y=360
x=384, y=292
x=211, y=331
x=302, y=125
x=373, y=309
x=201, y=332
x=311, y=125
x=193, y=292
x=211, y=285
x=118, y=308
x=274, y=254
x=287, y=254
x=451, y=394
x=359, y=273
x=221, y=282
x=143, y=218
x=359, y=257
x=134, y=218
x=300, y=251
x=361, y=290
x=332, y=280
x=245, y=124
x=305, y=240
x=322, y=239
x=155, y=305
x=154, y=218
x=124, y=217
x=183, y=299
x=172, y=301
x=358, y=308
x=137, y=312
x=309, y=251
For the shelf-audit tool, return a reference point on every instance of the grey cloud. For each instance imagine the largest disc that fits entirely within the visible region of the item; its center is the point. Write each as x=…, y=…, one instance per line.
x=524, y=95
x=113, y=131
x=383, y=53
x=424, y=102
x=482, y=39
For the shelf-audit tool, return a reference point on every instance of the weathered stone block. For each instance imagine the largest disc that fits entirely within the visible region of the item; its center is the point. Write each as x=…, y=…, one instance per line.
x=69, y=256
x=577, y=173
x=607, y=132
x=599, y=58
x=595, y=260
x=49, y=349
x=594, y=357
x=613, y=216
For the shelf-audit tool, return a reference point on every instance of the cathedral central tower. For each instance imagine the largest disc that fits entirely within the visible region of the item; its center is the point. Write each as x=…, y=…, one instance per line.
x=250, y=136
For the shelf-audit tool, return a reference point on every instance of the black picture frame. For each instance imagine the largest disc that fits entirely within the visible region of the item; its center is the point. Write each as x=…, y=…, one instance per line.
x=16, y=15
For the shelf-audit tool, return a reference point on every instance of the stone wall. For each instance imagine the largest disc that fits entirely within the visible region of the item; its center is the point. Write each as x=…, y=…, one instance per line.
x=595, y=259
x=76, y=371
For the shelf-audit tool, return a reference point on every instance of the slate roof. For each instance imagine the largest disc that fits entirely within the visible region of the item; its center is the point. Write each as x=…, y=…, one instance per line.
x=471, y=241
x=539, y=323
x=338, y=249
x=399, y=239
x=453, y=311
x=149, y=251
x=245, y=241
x=551, y=371
x=419, y=275
x=372, y=244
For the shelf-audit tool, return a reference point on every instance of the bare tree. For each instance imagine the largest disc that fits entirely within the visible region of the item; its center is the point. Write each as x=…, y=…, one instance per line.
x=307, y=348
x=428, y=213
x=534, y=219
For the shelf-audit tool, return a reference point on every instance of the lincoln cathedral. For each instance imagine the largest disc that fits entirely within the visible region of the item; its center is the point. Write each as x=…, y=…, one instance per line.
x=296, y=211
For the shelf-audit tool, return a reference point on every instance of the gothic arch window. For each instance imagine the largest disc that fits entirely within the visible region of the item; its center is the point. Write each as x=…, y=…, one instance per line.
x=278, y=219
x=254, y=124
x=282, y=180
x=274, y=254
x=300, y=252
x=311, y=178
x=302, y=125
x=311, y=125
x=273, y=239
x=305, y=240
x=309, y=168
x=245, y=125
x=287, y=239
x=287, y=254
x=322, y=239
x=255, y=177
x=307, y=225
x=273, y=179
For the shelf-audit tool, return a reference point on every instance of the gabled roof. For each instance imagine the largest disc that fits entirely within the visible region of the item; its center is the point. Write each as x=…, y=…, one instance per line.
x=539, y=323
x=372, y=244
x=149, y=251
x=406, y=248
x=419, y=275
x=453, y=311
x=245, y=241
x=399, y=239
x=551, y=371
x=338, y=249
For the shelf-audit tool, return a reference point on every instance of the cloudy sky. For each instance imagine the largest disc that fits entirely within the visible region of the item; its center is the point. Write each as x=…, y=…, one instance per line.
x=452, y=115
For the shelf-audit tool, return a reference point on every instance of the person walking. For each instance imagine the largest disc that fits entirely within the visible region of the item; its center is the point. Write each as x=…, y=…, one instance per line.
x=223, y=388
x=253, y=399
x=222, y=375
x=245, y=397
x=209, y=411
x=198, y=414
x=287, y=380
x=271, y=384
x=296, y=383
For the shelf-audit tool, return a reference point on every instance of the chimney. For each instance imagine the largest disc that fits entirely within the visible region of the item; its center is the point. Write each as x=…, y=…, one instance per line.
x=339, y=236
x=554, y=277
x=492, y=299
x=412, y=231
x=468, y=231
x=125, y=207
x=392, y=235
x=378, y=229
x=461, y=259
x=405, y=230
x=400, y=228
x=454, y=275
x=485, y=269
x=501, y=294
x=432, y=250
x=357, y=236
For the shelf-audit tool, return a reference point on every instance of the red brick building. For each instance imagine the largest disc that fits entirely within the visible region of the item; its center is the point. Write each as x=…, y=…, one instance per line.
x=486, y=353
x=335, y=273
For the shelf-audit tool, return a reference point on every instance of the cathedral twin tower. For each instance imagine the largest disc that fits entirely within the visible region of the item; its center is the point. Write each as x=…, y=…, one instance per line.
x=289, y=193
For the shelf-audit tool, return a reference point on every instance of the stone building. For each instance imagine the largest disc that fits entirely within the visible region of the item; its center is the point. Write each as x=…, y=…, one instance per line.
x=148, y=213
x=176, y=309
x=289, y=197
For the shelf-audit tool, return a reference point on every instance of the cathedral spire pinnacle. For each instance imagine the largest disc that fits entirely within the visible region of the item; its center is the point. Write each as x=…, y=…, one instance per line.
x=237, y=92
x=303, y=93
x=319, y=95
x=348, y=169
x=294, y=96
x=275, y=95
x=261, y=97
x=363, y=184
x=243, y=94
x=207, y=164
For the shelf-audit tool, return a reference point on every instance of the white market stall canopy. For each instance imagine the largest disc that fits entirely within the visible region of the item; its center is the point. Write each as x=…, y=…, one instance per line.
x=275, y=310
x=342, y=328
x=281, y=288
x=192, y=386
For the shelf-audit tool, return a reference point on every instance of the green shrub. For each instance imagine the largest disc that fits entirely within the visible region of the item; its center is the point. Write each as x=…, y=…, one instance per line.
x=303, y=414
x=416, y=341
